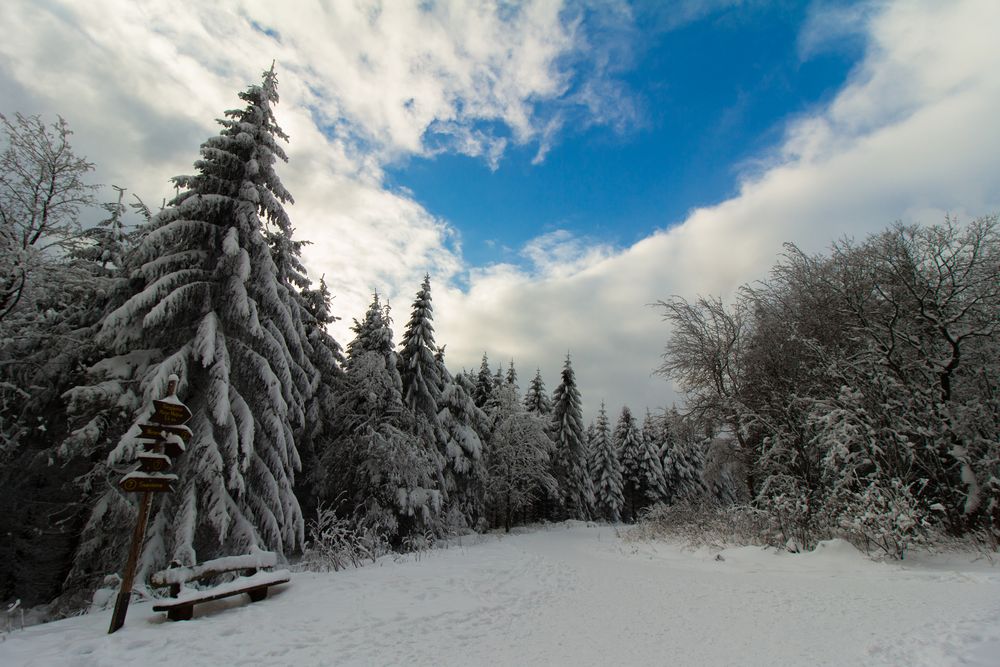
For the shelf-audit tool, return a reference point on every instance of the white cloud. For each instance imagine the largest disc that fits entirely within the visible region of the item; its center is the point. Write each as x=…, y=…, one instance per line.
x=362, y=84
x=913, y=134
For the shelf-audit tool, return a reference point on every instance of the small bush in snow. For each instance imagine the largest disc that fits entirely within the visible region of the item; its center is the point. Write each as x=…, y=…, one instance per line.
x=792, y=511
x=418, y=543
x=337, y=542
x=886, y=516
x=703, y=524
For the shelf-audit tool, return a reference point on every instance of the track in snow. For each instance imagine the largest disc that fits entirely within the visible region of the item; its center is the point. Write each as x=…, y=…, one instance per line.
x=569, y=594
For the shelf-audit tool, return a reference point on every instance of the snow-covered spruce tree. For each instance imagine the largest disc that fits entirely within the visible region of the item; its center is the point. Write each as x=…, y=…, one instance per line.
x=511, y=376
x=682, y=457
x=654, y=438
x=372, y=334
x=460, y=424
x=536, y=400
x=567, y=432
x=418, y=369
x=517, y=460
x=652, y=430
x=211, y=309
x=606, y=472
x=642, y=472
x=108, y=241
x=324, y=352
x=321, y=409
x=590, y=435
x=381, y=467
x=721, y=472
x=484, y=383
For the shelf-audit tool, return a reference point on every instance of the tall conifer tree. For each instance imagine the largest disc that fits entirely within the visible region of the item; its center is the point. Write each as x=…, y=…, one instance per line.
x=382, y=459
x=210, y=307
x=484, y=384
x=512, y=375
x=536, y=400
x=567, y=432
x=682, y=457
x=461, y=424
x=606, y=471
x=418, y=369
x=642, y=472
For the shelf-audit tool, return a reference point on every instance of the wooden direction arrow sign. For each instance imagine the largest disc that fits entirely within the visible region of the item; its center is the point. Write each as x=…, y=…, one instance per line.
x=168, y=432
x=169, y=438
x=153, y=462
x=171, y=448
x=150, y=431
x=156, y=431
x=170, y=413
x=137, y=481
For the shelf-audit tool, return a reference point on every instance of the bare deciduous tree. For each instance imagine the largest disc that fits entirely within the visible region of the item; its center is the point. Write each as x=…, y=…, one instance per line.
x=42, y=190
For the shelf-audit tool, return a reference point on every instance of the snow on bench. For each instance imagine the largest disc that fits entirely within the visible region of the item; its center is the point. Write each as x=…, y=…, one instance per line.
x=182, y=608
x=257, y=560
x=253, y=582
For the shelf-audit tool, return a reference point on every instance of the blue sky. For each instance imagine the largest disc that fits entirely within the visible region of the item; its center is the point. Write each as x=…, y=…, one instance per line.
x=590, y=157
x=711, y=97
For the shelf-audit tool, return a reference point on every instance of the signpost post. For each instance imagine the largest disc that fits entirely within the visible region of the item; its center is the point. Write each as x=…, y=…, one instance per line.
x=168, y=437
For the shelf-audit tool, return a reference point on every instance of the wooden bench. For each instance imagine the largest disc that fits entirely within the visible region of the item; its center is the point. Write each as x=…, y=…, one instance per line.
x=254, y=581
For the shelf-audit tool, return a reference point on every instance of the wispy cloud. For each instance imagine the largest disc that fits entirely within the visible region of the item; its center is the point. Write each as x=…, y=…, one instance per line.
x=912, y=135
x=362, y=83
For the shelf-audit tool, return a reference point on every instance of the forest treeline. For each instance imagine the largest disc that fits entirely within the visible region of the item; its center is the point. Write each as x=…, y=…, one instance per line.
x=853, y=392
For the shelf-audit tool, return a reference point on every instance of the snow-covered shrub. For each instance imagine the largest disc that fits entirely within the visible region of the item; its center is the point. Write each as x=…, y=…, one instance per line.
x=104, y=596
x=337, y=542
x=886, y=516
x=792, y=512
x=703, y=524
x=417, y=543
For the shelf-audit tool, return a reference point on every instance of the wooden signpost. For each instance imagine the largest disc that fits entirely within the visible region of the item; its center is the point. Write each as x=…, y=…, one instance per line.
x=168, y=437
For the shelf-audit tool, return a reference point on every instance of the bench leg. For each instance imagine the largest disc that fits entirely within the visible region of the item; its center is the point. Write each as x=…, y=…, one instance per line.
x=257, y=594
x=181, y=613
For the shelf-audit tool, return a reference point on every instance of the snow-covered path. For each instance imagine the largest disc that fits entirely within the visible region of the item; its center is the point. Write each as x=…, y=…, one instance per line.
x=569, y=595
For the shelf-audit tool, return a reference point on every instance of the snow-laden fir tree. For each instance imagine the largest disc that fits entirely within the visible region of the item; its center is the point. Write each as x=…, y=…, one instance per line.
x=721, y=472
x=382, y=467
x=682, y=458
x=321, y=409
x=372, y=334
x=606, y=471
x=588, y=479
x=653, y=430
x=642, y=471
x=108, y=241
x=590, y=434
x=511, y=376
x=460, y=424
x=517, y=460
x=324, y=352
x=484, y=383
x=418, y=369
x=570, y=459
x=536, y=400
x=210, y=307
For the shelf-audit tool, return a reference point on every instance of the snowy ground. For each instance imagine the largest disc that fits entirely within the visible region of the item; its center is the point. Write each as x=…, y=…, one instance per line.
x=570, y=595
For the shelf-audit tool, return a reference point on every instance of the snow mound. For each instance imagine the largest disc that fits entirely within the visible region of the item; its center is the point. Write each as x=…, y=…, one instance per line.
x=837, y=549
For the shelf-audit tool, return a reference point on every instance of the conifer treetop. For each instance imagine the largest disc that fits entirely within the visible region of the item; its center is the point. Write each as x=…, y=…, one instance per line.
x=419, y=371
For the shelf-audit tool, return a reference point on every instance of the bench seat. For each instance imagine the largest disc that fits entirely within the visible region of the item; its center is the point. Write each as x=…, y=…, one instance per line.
x=181, y=607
